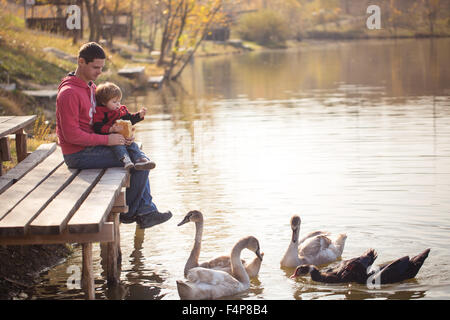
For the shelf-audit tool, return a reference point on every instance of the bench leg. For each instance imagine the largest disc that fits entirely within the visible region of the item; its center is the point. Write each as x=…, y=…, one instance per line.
x=111, y=253
x=87, y=277
x=21, y=145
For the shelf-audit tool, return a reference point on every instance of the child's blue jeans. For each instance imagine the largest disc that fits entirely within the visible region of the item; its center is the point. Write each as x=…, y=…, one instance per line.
x=132, y=150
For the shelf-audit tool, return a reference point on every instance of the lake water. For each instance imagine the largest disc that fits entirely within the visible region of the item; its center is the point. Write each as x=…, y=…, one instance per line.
x=352, y=136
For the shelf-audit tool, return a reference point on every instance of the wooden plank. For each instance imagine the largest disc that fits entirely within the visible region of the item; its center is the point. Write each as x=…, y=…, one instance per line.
x=120, y=205
x=95, y=209
x=53, y=219
x=17, y=220
x=4, y=119
x=22, y=168
x=14, y=124
x=18, y=191
x=21, y=145
x=120, y=200
x=5, y=150
x=121, y=209
x=131, y=70
x=105, y=235
x=156, y=81
x=50, y=94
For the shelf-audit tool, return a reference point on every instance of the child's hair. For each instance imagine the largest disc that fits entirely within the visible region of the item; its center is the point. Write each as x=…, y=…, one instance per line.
x=107, y=91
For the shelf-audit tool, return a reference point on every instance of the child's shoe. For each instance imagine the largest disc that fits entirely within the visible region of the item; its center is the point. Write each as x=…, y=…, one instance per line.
x=144, y=164
x=127, y=164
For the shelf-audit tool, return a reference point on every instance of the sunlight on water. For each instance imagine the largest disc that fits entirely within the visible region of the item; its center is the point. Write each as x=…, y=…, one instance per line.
x=369, y=158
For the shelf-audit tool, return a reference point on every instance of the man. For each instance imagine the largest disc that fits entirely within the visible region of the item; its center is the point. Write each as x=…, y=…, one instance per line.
x=84, y=149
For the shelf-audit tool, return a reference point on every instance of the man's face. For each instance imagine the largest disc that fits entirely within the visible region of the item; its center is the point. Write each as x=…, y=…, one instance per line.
x=90, y=71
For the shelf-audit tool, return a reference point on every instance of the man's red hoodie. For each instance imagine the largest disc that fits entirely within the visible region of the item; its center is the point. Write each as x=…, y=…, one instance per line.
x=75, y=108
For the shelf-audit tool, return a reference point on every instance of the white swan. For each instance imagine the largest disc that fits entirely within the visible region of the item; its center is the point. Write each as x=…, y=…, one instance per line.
x=220, y=263
x=206, y=283
x=315, y=249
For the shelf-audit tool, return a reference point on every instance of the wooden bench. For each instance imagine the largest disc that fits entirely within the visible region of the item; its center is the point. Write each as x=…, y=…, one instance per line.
x=52, y=204
x=13, y=125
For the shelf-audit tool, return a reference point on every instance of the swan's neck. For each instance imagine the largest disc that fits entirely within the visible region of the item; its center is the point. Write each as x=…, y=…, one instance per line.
x=291, y=258
x=237, y=269
x=192, y=261
x=253, y=268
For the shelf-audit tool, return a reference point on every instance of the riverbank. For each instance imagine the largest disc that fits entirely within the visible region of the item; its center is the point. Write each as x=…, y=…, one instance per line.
x=21, y=266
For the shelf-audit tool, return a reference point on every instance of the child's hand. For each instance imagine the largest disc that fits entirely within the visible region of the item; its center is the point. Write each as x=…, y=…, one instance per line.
x=142, y=112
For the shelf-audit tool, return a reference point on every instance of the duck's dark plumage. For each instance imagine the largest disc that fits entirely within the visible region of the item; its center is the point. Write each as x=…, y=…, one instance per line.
x=355, y=270
x=401, y=269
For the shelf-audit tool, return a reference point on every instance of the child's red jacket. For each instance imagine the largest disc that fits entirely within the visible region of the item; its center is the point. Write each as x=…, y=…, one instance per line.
x=104, y=118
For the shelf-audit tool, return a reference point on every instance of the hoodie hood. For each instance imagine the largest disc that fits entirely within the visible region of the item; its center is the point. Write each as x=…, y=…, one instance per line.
x=72, y=80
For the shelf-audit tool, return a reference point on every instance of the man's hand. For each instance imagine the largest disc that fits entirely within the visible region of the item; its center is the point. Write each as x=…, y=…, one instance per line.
x=129, y=141
x=116, y=139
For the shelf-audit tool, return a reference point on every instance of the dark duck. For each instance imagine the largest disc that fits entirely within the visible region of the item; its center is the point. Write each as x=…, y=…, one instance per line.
x=355, y=270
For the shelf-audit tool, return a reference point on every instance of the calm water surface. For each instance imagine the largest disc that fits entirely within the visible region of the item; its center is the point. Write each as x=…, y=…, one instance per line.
x=352, y=136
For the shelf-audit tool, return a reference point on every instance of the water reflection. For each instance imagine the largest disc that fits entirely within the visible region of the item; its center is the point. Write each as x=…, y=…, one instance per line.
x=352, y=136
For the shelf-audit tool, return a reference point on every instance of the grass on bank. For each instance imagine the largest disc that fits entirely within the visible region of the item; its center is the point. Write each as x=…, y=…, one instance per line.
x=23, y=59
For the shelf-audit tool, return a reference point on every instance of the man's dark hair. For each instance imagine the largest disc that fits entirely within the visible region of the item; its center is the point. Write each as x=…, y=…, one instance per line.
x=90, y=51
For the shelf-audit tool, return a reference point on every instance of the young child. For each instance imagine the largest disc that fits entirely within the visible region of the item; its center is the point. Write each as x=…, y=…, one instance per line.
x=107, y=111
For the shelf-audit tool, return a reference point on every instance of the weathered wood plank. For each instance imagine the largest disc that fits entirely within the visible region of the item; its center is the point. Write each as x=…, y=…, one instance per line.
x=94, y=210
x=22, y=168
x=121, y=209
x=156, y=81
x=53, y=219
x=5, y=118
x=18, y=191
x=17, y=220
x=14, y=124
x=50, y=94
x=120, y=205
x=105, y=235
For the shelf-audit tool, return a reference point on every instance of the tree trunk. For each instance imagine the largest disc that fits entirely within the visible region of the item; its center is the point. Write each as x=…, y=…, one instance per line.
x=88, y=5
x=97, y=21
x=165, y=34
x=111, y=35
x=197, y=45
x=173, y=61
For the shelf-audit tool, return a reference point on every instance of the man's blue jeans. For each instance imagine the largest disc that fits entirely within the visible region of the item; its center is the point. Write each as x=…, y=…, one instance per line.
x=138, y=196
